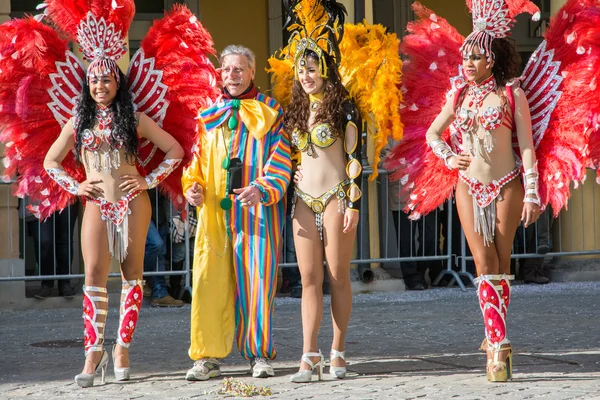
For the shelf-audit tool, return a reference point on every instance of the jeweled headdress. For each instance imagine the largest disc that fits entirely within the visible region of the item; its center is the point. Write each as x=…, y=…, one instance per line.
x=493, y=19
x=318, y=33
x=100, y=33
x=169, y=78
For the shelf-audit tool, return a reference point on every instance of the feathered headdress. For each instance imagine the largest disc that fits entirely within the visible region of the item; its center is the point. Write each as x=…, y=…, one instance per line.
x=493, y=19
x=100, y=33
x=170, y=77
x=369, y=66
x=318, y=27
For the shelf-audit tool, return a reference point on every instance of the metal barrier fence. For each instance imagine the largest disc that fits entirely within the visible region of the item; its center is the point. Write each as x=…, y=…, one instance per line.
x=46, y=246
x=435, y=242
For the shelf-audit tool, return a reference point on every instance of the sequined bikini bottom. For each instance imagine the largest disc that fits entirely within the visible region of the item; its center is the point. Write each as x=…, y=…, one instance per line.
x=116, y=216
x=484, y=202
x=318, y=204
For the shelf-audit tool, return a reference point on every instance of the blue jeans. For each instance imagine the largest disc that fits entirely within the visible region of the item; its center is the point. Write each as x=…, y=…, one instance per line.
x=154, y=257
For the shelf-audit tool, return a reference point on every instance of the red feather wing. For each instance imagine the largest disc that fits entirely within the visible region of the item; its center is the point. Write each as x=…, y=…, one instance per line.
x=172, y=80
x=432, y=49
x=68, y=14
x=36, y=99
x=560, y=84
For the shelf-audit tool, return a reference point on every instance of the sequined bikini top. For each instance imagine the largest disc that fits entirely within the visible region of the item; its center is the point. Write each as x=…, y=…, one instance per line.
x=104, y=157
x=490, y=118
x=92, y=139
x=321, y=135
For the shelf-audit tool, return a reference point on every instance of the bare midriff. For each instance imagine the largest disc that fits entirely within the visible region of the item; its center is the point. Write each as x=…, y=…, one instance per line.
x=324, y=169
x=111, y=181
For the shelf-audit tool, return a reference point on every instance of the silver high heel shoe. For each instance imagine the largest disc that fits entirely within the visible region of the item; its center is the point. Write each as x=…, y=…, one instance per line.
x=121, y=374
x=87, y=380
x=305, y=375
x=337, y=372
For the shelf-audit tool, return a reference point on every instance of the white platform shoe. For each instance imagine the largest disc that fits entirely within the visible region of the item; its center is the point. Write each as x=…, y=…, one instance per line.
x=87, y=380
x=337, y=372
x=305, y=375
x=121, y=374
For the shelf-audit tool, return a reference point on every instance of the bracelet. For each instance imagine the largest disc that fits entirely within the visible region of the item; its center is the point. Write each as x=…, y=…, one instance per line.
x=441, y=149
x=161, y=172
x=531, y=181
x=64, y=180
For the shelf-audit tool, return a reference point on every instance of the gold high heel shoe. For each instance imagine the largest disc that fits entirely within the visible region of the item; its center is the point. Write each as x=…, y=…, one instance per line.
x=87, y=380
x=500, y=371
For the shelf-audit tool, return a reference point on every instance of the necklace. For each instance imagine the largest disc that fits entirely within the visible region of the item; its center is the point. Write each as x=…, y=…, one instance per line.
x=478, y=92
x=315, y=101
x=104, y=115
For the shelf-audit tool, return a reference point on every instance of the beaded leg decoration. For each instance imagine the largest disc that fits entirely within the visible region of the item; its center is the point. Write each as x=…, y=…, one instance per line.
x=95, y=308
x=131, y=303
x=493, y=292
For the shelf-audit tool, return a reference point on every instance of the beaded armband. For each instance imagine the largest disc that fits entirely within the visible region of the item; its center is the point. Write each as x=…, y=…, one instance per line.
x=161, y=172
x=65, y=181
x=441, y=149
x=531, y=179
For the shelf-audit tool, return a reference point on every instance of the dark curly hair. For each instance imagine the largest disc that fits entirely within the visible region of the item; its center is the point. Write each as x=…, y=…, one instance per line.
x=332, y=110
x=124, y=121
x=507, y=63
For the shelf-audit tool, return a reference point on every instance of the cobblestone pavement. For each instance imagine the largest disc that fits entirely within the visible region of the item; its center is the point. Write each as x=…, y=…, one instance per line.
x=401, y=345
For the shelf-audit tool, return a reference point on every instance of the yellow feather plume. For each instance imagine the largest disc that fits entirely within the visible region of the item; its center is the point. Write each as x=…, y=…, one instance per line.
x=371, y=70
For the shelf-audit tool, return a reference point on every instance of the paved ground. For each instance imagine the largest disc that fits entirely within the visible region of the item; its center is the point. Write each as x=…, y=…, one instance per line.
x=402, y=345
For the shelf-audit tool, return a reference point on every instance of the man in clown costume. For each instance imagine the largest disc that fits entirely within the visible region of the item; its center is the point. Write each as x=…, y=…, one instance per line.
x=237, y=180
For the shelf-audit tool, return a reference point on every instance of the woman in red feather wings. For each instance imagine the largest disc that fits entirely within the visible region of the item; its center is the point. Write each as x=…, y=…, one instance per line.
x=114, y=142
x=491, y=128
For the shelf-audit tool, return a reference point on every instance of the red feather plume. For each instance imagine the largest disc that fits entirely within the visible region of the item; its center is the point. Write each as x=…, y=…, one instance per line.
x=433, y=55
x=574, y=37
x=29, y=51
x=67, y=14
x=181, y=46
x=515, y=7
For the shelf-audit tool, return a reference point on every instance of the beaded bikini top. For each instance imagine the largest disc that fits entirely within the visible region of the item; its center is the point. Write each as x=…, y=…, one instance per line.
x=489, y=118
x=321, y=135
x=104, y=156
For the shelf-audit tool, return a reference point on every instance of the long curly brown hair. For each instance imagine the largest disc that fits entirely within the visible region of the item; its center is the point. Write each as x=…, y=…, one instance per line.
x=124, y=125
x=331, y=110
x=507, y=63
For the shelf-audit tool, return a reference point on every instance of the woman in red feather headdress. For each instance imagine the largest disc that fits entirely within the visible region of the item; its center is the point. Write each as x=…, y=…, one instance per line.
x=112, y=146
x=105, y=133
x=491, y=128
x=483, y=110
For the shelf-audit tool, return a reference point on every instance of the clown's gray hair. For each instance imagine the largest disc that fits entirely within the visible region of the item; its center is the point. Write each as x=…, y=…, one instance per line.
x=236, y=49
